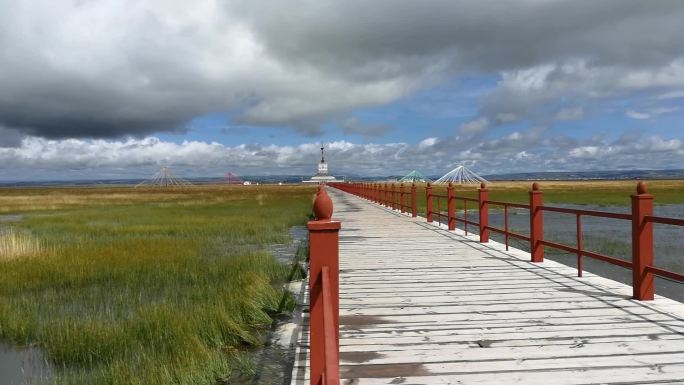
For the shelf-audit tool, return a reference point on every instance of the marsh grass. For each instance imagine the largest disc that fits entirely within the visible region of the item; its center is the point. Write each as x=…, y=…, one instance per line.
x=15, y=244
x=148, y=287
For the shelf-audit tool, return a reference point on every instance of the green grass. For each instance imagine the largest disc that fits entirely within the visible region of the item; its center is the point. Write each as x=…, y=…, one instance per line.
x=162, y=288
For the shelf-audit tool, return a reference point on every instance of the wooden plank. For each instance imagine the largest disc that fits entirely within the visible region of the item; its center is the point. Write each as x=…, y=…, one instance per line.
x=420, y=304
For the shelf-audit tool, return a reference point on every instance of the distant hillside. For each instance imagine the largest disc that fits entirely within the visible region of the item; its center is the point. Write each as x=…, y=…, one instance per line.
x=584, y=175
x=561, y=175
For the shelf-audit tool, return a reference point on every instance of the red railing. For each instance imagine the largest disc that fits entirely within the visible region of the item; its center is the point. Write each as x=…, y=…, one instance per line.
x=450, y=202
x=402, y=197
x=506, y=232
x=641, y=217
x=331, y=369
x=324, y=293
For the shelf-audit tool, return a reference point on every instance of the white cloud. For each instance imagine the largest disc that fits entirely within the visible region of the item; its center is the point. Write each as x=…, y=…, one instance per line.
x=520, y=151
x=650, y=113
x=637, y=115
x=428, y=142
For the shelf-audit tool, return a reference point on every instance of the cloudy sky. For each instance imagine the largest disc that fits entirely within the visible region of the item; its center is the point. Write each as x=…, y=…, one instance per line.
x=115, y=88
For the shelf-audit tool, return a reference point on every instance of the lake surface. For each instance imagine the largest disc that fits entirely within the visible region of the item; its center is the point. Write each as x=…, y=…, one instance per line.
x=612, y=237
x=22, y=366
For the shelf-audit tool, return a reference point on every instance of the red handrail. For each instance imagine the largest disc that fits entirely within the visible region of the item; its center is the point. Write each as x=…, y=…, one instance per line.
x=331, y=369
x=641, y=218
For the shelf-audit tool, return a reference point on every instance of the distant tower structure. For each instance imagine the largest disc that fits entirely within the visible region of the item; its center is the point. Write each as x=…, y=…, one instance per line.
x=233, y=179
x=322, y=166
x=322, y=176
x=164, y=178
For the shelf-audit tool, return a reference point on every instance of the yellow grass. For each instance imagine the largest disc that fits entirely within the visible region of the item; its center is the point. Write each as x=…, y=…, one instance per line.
x=16, y=244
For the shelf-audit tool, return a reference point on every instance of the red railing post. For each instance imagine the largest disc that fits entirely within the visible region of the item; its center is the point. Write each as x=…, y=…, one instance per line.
x=536, y=224
x=402, y=206
x=428, y=202
x=414, y=206
x=642, y=244
x=323, y=252
x=451, y=207
x=483, y=197
x=394, y=197
x=387, y=201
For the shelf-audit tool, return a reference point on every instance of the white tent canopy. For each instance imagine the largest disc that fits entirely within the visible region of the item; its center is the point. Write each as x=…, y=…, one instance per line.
x=460, y=175
x=164, y=178
x=414, y=176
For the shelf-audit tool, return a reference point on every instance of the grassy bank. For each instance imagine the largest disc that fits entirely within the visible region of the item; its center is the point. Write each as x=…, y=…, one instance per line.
x=126, y=286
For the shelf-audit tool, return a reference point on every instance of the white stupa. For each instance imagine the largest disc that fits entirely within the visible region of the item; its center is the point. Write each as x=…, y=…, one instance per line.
x=322, y=176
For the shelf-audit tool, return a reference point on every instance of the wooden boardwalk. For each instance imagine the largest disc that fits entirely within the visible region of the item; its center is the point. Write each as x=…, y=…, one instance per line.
x=423, y=305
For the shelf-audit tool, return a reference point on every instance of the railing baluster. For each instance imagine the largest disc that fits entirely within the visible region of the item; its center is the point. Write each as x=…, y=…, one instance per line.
x=451, y=208
x=465, y=215
x=483, y=197
x=414, y=208
x=579, y=245
x=428, y=202
x=536, y=224
x=506, y=225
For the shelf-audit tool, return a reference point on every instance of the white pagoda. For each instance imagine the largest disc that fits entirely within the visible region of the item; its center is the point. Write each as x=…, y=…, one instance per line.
x=322, y=176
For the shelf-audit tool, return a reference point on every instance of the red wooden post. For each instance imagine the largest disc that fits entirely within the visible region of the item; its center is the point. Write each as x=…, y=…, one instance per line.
x=451, y=207
x=642, y=244
x=387, y=194
x=428, y=202
x=323, y=252
x=414, y=206
x=394, y=197
x=483, y=197
x=402, y=205
x=536, y=224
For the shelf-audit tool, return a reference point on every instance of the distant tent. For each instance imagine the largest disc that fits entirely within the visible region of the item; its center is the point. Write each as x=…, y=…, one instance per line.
x=414, y=176
x=164, y=178
x=460, y=175
x=233, y=179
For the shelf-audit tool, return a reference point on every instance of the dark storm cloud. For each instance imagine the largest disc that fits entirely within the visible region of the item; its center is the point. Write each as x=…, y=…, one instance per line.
x=10, y=137
x=109, y=68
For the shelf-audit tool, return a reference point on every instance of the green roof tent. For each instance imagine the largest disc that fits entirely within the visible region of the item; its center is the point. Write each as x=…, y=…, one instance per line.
x=414, y=176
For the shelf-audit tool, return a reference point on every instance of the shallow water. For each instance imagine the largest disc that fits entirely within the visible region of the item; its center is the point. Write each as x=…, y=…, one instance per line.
x=602, y=235
x=274, y=361
x=23, y=366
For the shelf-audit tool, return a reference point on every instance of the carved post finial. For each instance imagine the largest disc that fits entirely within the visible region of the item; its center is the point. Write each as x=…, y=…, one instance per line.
x=323, y=206
x=642, y=188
